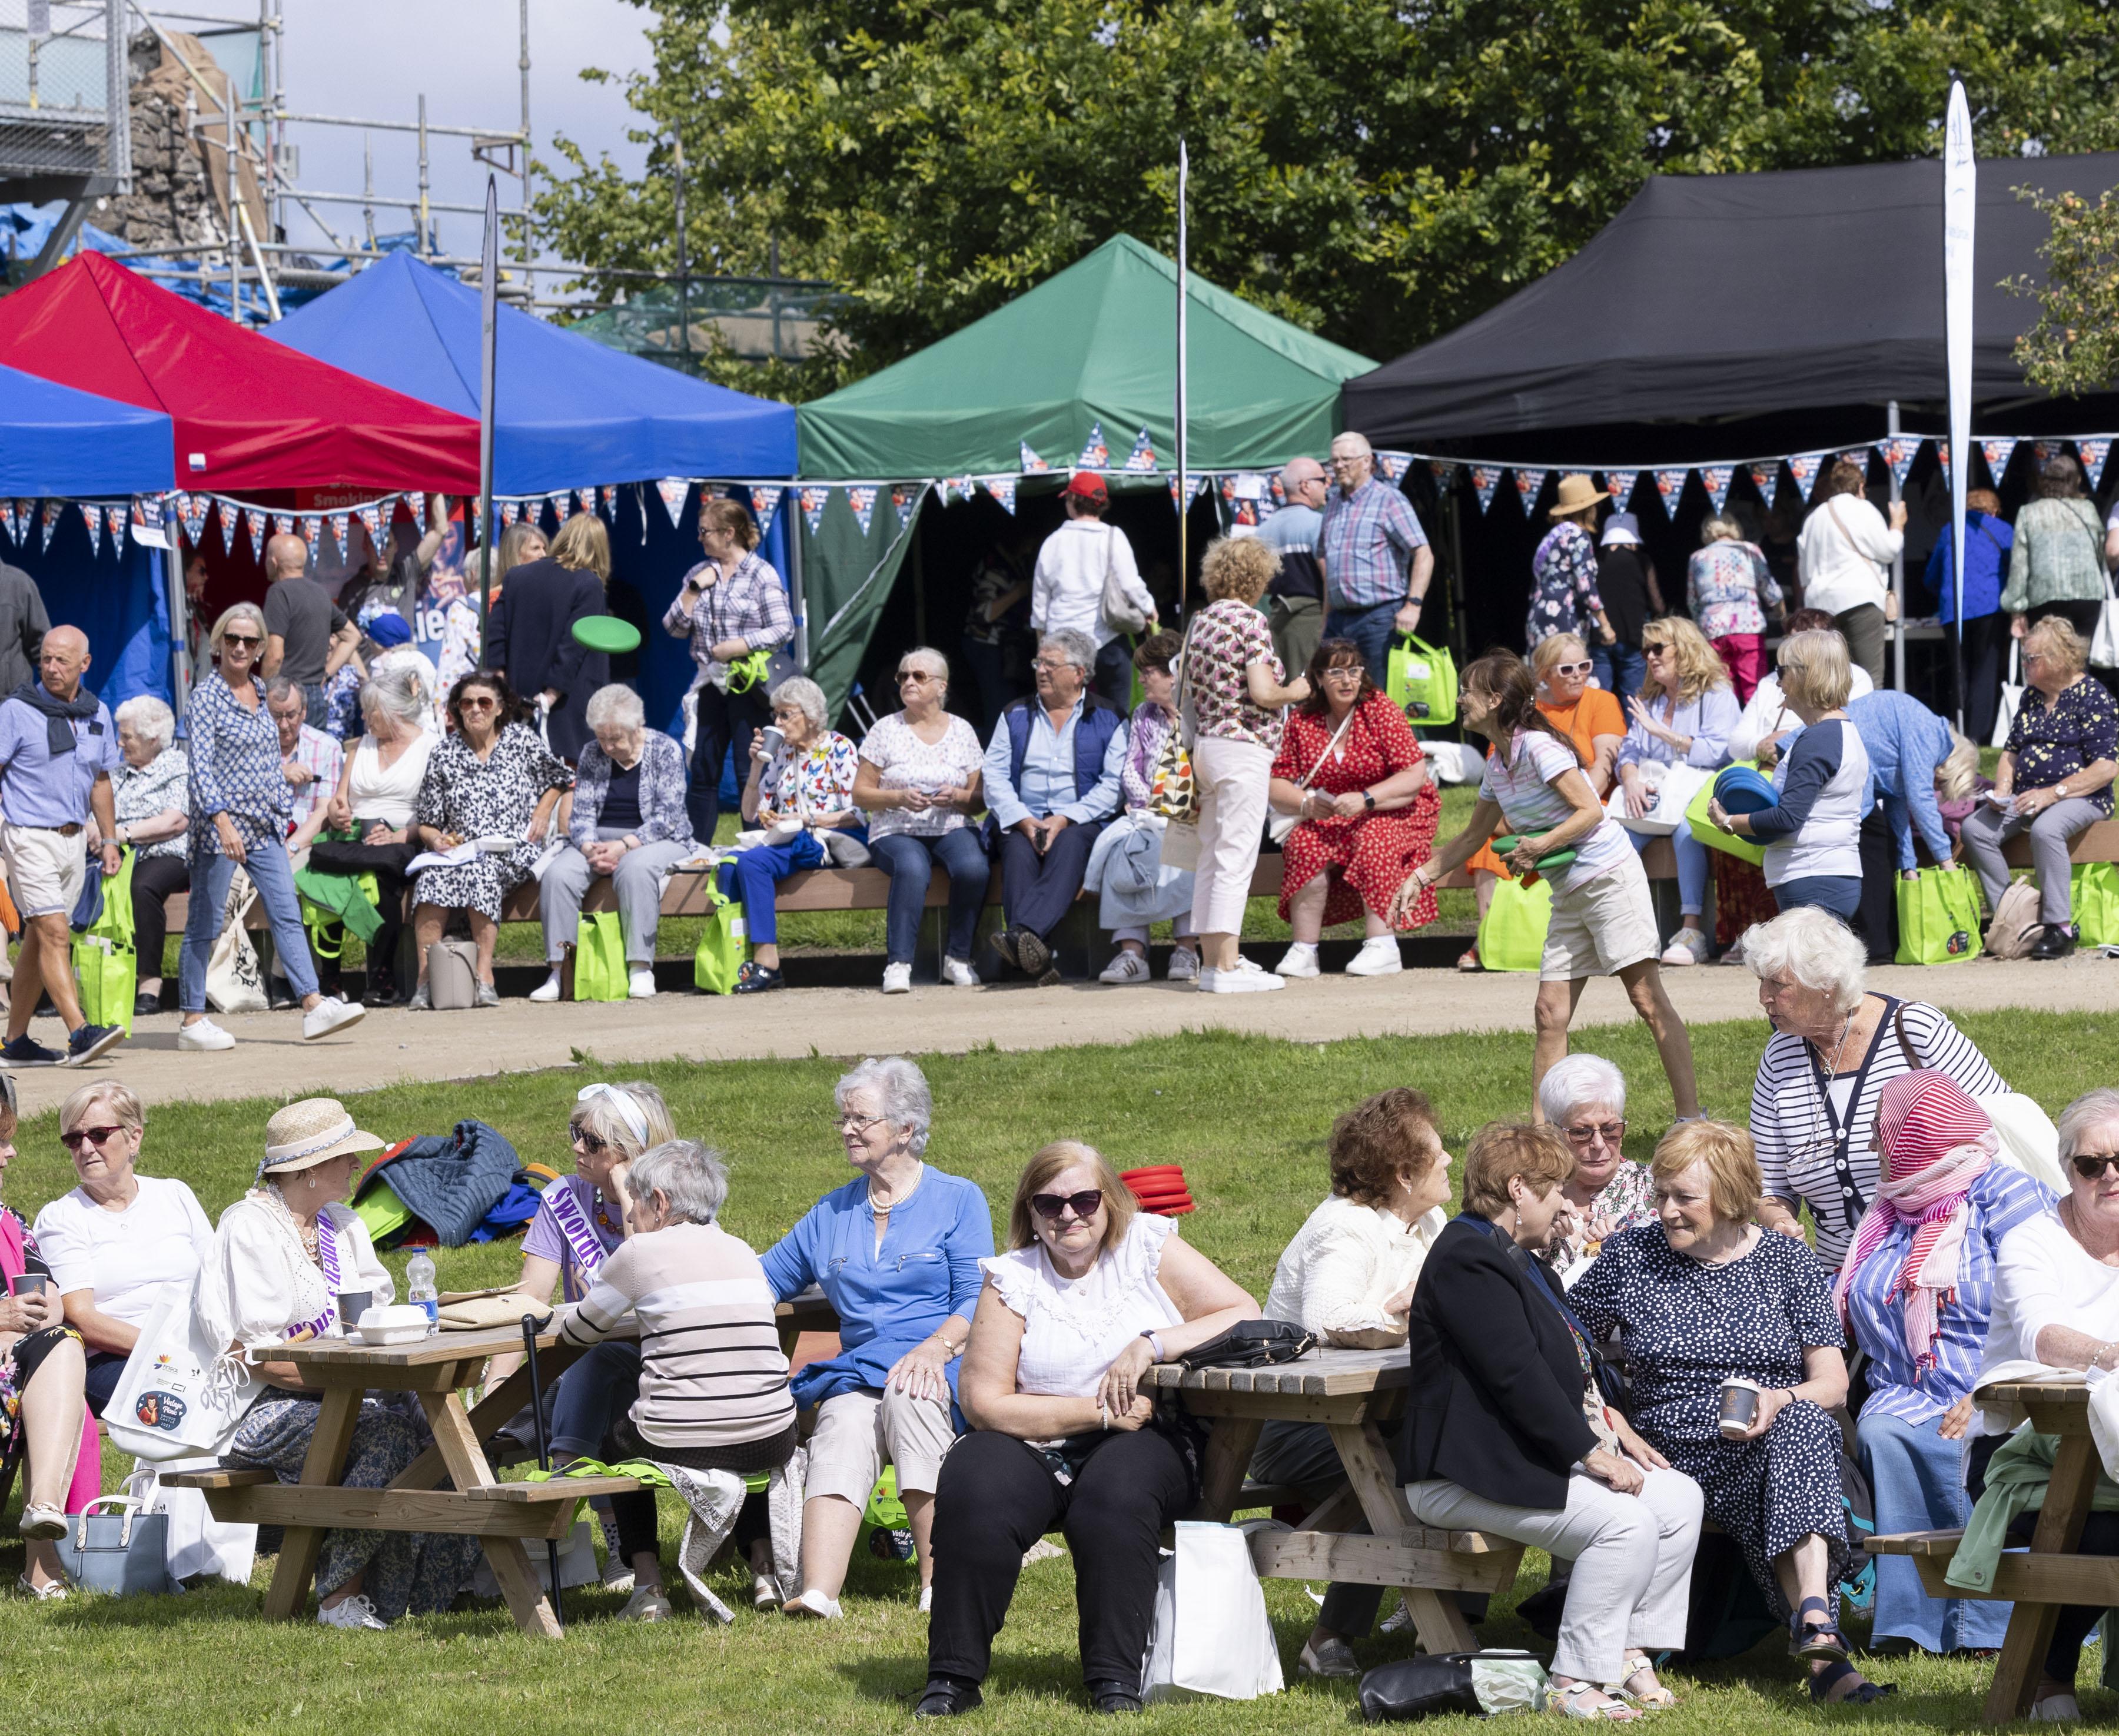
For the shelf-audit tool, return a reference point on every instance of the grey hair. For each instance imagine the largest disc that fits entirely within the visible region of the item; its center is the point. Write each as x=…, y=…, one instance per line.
x=1812, y=947
x=616, y=704
x=2092, y=1110
x=1080, y=651
x=280, y=687
x=901, y=1091
x=691, y=1178
x=1353, y=443
x=1575, y=1079
x=806, y=697
x=395, y=691
x=606, y=1119
x=1716, y=526
x=1289, y=480
x=927, y=659
x=150, y=718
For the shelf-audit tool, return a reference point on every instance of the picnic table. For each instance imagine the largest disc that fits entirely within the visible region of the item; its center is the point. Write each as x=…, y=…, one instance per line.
x=2050, y=1573
x=1351, y=1392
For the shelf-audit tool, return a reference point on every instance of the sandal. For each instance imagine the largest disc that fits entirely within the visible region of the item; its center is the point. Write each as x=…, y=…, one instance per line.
x=1823, y=1680
x=1568, y=1701
x=1816, y=1640
x=1468, y=960
x=1656, y=1699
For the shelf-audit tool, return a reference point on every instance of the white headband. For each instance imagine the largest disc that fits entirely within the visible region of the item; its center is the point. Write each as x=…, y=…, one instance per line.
x=628, y=1106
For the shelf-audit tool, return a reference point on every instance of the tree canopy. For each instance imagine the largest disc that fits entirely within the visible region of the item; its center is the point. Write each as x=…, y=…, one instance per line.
x=1377, y=171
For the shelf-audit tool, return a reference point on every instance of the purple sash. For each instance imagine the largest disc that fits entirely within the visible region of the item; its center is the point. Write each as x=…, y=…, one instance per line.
x=328, y=1252
x=565, y=1208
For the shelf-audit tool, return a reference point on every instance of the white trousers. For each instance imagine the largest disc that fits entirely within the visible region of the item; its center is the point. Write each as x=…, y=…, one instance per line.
x=1632, y=1556
x=1231, y=777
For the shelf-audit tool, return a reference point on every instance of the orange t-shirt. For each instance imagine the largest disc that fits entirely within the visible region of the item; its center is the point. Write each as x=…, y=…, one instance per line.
x=1595, y=713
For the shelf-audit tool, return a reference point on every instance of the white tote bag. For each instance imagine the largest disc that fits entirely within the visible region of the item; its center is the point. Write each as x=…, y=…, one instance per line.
x=234, y=983
x=178, y=1397
x=1673, y=794
x=2104, y=642
x=2012, y=696
x=1211, y=1637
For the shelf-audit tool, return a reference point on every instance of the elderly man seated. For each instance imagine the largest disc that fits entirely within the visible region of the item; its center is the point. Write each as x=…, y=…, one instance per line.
x=1052, y=774
x=629, y=822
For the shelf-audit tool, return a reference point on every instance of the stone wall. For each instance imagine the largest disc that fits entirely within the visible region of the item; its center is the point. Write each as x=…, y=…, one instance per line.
x=175, y=201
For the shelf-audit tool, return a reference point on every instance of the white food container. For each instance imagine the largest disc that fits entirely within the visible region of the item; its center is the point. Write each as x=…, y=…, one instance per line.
x=402, y=1324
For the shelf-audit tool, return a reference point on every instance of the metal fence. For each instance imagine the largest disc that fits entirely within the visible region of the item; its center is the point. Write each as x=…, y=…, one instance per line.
x=63, y=103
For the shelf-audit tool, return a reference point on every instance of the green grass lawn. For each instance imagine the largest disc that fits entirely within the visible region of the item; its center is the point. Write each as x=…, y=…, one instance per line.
x=1246, y=1116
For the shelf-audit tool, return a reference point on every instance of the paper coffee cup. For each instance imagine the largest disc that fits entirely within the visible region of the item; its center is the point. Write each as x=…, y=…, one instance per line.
x=1740, y=1406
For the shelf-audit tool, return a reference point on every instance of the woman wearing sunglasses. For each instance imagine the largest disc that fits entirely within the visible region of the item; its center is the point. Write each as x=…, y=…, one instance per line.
x=1091, y=1291
x=240, y=809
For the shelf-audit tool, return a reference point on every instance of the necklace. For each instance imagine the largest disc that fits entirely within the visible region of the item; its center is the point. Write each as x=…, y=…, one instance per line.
x=1838, y=1049
x=312, y=1243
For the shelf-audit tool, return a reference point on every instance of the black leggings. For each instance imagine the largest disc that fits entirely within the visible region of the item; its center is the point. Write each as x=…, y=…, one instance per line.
x=997, y=1497
x=154, y=878
x=2100, y=1536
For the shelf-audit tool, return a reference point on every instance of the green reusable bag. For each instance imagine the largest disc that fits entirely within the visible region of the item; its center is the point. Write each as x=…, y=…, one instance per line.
x=2094, y=900
x=104, y=963
x=722, y=947
x=600, y=973
x=1512, y=933
x=1705, y=831
x=1423, y=683
x=1938, y=917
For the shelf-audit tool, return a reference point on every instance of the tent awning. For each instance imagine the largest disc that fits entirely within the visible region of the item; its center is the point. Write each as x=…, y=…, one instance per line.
x=248, y=413
x=569, y=412
x=56, y=441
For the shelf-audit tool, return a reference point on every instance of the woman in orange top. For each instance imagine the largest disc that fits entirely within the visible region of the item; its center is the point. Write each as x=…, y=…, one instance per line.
x=1589, y=717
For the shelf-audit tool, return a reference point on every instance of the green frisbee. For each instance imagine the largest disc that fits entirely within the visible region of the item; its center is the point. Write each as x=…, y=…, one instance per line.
x=607, y=633
x=1505, y=847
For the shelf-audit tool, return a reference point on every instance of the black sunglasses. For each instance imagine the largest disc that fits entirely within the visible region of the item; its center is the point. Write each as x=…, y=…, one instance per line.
x=1049, y=1206
x=590, y=1143
x=2090, y=1167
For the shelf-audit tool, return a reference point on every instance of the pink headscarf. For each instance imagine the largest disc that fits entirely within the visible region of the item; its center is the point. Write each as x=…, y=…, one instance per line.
x=1936, y=1142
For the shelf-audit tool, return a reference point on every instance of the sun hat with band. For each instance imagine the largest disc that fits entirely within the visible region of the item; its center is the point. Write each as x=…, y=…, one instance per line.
x=1577, y=493
x=310, y=1132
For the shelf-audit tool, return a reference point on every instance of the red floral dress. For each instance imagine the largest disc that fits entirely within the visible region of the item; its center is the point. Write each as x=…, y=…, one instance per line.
x=1373, y=852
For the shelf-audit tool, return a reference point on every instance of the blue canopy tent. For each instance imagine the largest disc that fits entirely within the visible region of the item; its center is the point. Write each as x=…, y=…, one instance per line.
x=57, y=444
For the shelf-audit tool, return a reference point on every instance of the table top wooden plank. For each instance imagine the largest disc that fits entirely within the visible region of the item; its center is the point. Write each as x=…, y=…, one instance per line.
x=437, y=1346
x=1322, y=1373
x=2035, y=1392
x=558, y=1488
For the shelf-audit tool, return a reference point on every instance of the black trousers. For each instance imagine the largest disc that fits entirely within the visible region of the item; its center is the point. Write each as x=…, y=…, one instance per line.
x=999, y=1496
x=1986, y=652
x=1035, y=890
x=1876, y=917
x=1112, y=678
x=154, y=878
x=725, y=721
x=386, y=863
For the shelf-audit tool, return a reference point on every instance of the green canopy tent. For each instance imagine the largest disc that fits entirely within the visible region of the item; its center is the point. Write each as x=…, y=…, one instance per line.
x=1091, y=350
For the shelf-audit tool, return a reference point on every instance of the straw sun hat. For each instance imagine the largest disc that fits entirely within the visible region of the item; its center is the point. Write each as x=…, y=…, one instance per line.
x=1576, y=493
x=310, y=1132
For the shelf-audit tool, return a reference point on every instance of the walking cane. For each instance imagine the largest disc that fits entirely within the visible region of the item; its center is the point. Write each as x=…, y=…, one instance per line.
x=530, y=1323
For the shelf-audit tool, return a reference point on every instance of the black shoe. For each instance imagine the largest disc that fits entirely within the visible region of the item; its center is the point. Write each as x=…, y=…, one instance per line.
x=1003, y=944
x=26, y=1051
x=1032, y=956
x=91, y=1041
x=946, y=1697
x=2056, y=940
x=280, y=996
x=755, y=979
x=1109, y=1697
x=381, y=991
x=144, y=1004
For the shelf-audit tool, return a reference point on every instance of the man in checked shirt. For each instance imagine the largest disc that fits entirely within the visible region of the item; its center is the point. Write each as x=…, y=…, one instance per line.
x=1376, y=560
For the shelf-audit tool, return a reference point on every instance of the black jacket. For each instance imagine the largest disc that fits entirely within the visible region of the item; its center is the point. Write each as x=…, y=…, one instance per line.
x=1495, y=1403
x=531, y=640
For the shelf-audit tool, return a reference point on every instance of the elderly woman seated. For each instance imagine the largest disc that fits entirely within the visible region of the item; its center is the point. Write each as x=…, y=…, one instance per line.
x=896, y=1250
x=1348, y=1277
x=1090, y=1293
x=1707, y=1296
x=152, y=795
x=710, y=1392
x=1918, y=1295
x=629, y=821
x=1135, y=886
x=1584, y=1096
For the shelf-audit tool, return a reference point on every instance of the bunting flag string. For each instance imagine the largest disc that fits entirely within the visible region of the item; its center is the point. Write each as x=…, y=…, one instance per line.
x=1142, y=458
x=904, y=501
x=1718, y=478
x=1003, y=490
x=1096, y=455
x=1804, y=467
x=1528, y=482
x=1766, y=479
x=1670, y=486
x=861, y=498
x=1032, y=465
x=1621, y=483
x=814, y=500
x=1486, y=478
x=764, y=504
x=672, y=489
x=2094, y=453
x=1897, y=453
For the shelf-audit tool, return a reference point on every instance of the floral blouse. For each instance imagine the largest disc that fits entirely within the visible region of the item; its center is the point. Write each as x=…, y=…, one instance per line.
x=818, y=779
x=1226, y=638
x=1628, y=1199
x=235, y=763
x=2054, y=739
x=140, y=793
x=1563, y=584
x=902, y=761
x=1726, y=585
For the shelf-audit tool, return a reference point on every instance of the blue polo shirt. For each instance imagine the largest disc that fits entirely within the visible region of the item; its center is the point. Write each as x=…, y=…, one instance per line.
x=39, y=788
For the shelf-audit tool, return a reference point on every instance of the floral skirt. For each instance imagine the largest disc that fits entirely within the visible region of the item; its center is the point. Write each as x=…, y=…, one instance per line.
x=480, y=884
x=1368, y=859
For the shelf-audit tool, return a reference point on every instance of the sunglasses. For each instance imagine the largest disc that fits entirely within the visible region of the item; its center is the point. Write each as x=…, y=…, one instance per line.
x=1610, y=1132
x=912, y=675
x=2092, y=1167
x=589, y=1143
x=98, y=1137
x=476, y=704
x=1050, y=1206
x=1583, y=668
x=247, y=639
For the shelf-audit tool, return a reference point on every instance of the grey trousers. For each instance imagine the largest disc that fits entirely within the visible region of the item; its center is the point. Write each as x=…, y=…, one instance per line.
x=1987, y=828
x=1867, y=633
x=639, y=882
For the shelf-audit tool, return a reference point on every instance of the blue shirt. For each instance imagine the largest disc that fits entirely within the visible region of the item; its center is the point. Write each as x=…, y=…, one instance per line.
x=1988, y=539
x=1905, y=742
x=1366, y=541
x=41, y=789
x=1997, y=1201
x=1710, y=720
x=1048, y=773
x=235, y=767
x=887, y=1299
x=1293, y=528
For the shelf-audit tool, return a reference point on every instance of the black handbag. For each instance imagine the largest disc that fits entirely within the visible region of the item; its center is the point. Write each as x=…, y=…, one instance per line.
x=1251, y=1343
x=1432, y=1685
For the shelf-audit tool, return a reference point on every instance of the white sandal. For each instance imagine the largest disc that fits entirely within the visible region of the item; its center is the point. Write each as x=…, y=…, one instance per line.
x=1568, y=1701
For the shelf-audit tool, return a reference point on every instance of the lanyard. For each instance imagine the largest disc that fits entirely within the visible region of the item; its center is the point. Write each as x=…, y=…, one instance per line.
x=1851, y=1202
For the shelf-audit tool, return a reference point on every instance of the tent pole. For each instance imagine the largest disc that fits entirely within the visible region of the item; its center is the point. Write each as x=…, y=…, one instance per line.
x=1183, y=491
x=489, y=290
x=795, y=583
x=1451, y=510
x=180, y=633
x=1897, y=567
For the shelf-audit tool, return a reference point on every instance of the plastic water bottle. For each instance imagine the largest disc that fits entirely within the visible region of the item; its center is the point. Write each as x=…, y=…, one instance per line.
x=420, y=1289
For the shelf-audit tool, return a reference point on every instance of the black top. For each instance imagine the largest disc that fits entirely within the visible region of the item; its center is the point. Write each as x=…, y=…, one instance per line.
x=300, y=612
x=23, y=625
x=1622, y=582
x=1496, y=1404
x=621, y=802
x=531, y=639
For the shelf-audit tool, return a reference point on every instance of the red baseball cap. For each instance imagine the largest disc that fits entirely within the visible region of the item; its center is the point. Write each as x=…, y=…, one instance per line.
x=1087, y=485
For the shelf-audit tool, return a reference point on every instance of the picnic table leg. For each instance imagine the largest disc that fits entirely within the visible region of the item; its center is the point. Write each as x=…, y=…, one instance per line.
x=2021, y=1662
x=465, y=1460
x=336, y=1416
x=1372, y=1468
x=1225, y=1465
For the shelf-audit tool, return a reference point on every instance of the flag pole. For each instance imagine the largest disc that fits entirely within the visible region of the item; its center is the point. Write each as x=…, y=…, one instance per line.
x=489, y=290
x=1183, y=488
x=1960, y=204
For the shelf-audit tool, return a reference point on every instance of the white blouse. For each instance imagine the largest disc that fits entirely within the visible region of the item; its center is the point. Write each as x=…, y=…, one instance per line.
x=2043, y=1277
x=387, y=792
x=1344, y=1264
x=904, y=762
x=261, y=1284
x=1074, y=1328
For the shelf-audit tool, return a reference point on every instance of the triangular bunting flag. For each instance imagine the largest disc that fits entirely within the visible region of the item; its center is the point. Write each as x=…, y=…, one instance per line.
x=814, y=500
x=562, y=503
x=1766, y=479
x=121, y=521
x=862, y=500
x=1142, y=458
x=1856, y=455
x=192, y=507
x=371, y=521
x=1718, y=478
x=1997, y=454
x=1176, y=504
x=341, y=523
x=1942, y=458
x=1031, y=463
x=764, y=503
x=416, y=505
x=1486, y=478
x=10, y=523
x=585, y=499
x=1445, y=473
x=2094, y=453
x=672, y=489
x=1002, y=489
x=91, y=515
x=1528, y=482
x=1393, y=465
x=2042, y=450
x=52, y=509
x=904, y=501
x=1898, y=453
x=607, y=499
x=1670, y=486
x=257, y=534
x=1804, y=467
x=1096, y=455
x=1621, y=483
x=508, y=512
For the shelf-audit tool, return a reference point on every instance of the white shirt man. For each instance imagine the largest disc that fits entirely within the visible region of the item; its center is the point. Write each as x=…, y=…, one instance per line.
x=1067, y=590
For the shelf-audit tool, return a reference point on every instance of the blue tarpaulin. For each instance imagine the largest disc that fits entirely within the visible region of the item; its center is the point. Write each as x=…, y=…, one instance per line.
x=58, y=442
x=571, y=413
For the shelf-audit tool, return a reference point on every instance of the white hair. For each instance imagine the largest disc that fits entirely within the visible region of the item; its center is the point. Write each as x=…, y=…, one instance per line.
x=152, y=721
x=926, y=659
x=806, y=697
x=2092, y=1110
x=616, y=704
x=1576, y=1079
x=1353, y=443
x=902, y=1095
x=1812, y=947
x=396, y=692
x=692, y=1179
x=1080, y=650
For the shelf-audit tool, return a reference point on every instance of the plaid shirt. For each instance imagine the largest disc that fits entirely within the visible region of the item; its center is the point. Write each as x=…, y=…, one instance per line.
x=326, y=759
x=749, y=603
x=1366, y=543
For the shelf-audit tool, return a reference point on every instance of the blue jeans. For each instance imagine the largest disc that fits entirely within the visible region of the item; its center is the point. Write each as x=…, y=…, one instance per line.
x=1691, y=867
x=590, y=1396
x=275, y=881
x=1918, y=1482
x=910, y=862
x=1620, y=669
x=1370, y=628
x=755, y=876
x=1840, y=893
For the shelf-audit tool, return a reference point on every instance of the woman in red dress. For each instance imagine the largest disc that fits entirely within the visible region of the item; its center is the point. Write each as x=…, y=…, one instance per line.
x=1349, y=766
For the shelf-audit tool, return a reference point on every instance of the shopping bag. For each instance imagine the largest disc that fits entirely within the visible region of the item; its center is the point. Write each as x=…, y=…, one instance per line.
x=122, y=1553
x=1938, y=917
x=1706, y=832
x=2094, y=899
x=178, y=1397
x=723, y=946
x=198, y=1543
x=1512, y=932
x=2012, y=697
x=1211, y=1636
x=1672, y=790
x=108, y=977
x=234, y=982
x=1421, y=681
x=599, y=957
x=2104, y=640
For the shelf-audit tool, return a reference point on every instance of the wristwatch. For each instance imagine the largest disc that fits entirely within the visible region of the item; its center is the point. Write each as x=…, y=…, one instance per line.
x=1368, y=800
x=2059, y=792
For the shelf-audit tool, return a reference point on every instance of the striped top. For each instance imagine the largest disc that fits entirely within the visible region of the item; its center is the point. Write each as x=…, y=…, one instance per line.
x=1797, y=1116
x=713, y=1373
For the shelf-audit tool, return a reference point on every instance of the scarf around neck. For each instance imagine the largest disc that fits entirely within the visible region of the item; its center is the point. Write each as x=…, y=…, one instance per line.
x=60, y=714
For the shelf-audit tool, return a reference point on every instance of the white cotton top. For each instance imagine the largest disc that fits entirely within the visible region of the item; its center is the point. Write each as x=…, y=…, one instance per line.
x=1767, y=713
x=259, y=1282
x=387, y=792
x=1843, y=572
x=1074, y=1328
x=902, y=761
x=1345, y=1263
x=2043, y=1277
x=125, y=1257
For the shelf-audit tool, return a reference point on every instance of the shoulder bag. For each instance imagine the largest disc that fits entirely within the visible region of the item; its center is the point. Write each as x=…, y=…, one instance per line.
x=1172, y=794
x=1121, y=614
x=1279, y=826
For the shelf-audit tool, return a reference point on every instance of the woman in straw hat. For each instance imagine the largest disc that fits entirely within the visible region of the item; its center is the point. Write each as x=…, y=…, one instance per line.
x=282, y=1255
x=1563, y=592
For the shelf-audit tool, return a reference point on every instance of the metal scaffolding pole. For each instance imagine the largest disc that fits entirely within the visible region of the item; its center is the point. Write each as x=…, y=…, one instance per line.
x=523, y=63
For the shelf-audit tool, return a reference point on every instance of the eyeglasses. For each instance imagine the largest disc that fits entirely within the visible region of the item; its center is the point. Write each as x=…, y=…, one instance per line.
x=912, y=675
x=1055, y=664
x=1583, y=668
x=2092, y=1167
x=98, y=1137
x=1343, y=672
x=1050, y=1206
x=1610, y=1132
x=859, y=1123
x=474, y=702
x=249, y=639
x=589, y=1143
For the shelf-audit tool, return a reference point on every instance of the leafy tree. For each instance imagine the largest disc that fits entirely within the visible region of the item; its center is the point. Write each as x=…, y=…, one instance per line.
x=1375, y=170
x=2073, y=349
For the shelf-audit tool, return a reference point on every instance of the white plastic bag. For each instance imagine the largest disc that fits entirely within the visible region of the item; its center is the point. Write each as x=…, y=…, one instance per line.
x=1673, y=792
x=2012, y=697
x=2029, y=1140
x=178, y=1397
x=198, y=1543
x=2104, y=641
x=1211, y=1637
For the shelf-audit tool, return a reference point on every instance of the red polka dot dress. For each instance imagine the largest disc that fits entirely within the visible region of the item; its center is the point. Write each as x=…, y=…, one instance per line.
x=1370, y=855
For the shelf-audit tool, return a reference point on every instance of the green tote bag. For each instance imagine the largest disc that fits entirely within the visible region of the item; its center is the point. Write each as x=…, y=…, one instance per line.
x=104, y=963
x=600, y=973
x=722, y=947
x=1938, y=917
x=1512, y=933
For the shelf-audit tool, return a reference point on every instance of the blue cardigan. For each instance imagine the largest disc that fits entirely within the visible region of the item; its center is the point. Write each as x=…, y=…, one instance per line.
x=1906, y=743
x=663, y=818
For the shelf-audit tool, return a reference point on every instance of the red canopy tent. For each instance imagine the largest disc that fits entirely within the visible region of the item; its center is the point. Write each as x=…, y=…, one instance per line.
x=250, y=414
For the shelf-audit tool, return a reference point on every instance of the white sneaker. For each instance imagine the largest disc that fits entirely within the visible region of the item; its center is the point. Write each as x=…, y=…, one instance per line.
x=617, y=1576
x=1379, y=957
x=548, y=990
x=640, y=982
x=356, y=1612
x=1299, y=960
x=204, y=1034
x=330, y=1014
x=1183, y=965
x=957, y=974
x=1124, y=967
x=813, y=1603
x=765, y=1592
x=1246, y=979
x=1688, y=946
x=897, y=979
x=647, y=1605
x=2057, y=1709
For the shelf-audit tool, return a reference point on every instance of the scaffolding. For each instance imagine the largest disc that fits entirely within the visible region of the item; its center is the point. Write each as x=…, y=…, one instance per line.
x=65, y=120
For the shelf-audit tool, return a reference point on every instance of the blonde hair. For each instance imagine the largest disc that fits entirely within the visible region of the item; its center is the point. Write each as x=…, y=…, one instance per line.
x=1958, y=775
x=584, y=545
x=1054, y=1159
x=1815, y=671
x=123, y=1104
x=1719, y=526
x=1237, y=568
x=2056, y=637
x=604, y=1118
x=1699, y=667
x=1549, y=651
x=1734, y=1185
x=237, y=612
x=1500, y=1151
